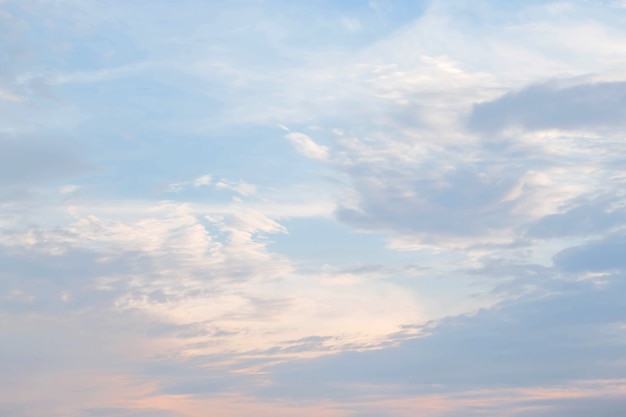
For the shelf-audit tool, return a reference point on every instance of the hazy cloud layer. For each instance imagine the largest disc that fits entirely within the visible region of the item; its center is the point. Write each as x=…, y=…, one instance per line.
x=338, y=209
x=575, y=336
x=596, y=107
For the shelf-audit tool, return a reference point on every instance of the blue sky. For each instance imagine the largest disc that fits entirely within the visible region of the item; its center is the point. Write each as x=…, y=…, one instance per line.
x=337, y=209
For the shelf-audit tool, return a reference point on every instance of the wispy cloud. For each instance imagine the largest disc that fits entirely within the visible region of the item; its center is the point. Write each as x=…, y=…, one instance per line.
x=436, y=226
x=307, y=147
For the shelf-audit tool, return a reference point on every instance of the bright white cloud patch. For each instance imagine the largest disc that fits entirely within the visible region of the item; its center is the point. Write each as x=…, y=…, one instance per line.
x=240, y=187
x=202, y=181
x=376, y=208
x=307, y=147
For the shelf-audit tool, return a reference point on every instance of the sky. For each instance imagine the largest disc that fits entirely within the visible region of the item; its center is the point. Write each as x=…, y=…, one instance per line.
x=273, y=208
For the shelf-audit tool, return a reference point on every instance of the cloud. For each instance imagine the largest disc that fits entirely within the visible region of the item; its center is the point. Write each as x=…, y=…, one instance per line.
x=240, y=187
x=435, y=128
x=436, y=196
x=561, y=339
x=583, y=219
x=12, y=97
x=601, y=405
x=601, y=255
x=211, y=272
x=307, y=147
x=487, y=188
x=125, y=412
x=588, y=107
x=28, y=161
x=202, y=181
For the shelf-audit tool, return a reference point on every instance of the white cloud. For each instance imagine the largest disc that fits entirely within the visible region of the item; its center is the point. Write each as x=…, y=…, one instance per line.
x=204, y=180
x=240, y=187
x=307, y=147
x=69, y=189
x=211, y=272
x=12, y=97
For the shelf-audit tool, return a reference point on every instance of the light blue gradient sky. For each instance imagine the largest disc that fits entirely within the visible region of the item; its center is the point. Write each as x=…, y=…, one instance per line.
x=324, y=208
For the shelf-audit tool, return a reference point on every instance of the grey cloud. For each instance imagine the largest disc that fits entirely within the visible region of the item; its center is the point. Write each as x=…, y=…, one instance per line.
x=198, y=385
x=39, y=346
x=306, y=344
x=551, y=340
x=34, y=282
x=587, y=218
x=472, y=405
x=426, y=197
x=15, y=410
x=201, y=375
x=599, y=406
x=27, y=161
x=597, y=256
x=547, y=106
x=126, y=412
x=384, y=270
x=512, y=278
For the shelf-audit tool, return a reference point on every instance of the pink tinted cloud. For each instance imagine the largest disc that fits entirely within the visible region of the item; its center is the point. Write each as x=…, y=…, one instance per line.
x=237, y=405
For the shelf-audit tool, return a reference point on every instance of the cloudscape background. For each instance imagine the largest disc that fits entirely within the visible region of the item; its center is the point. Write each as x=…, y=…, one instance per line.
x=312, y=208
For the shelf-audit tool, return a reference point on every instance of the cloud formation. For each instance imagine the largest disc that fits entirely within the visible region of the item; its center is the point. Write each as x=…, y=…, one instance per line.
x=307, y=147
x=588, y=107
x=438, y=232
